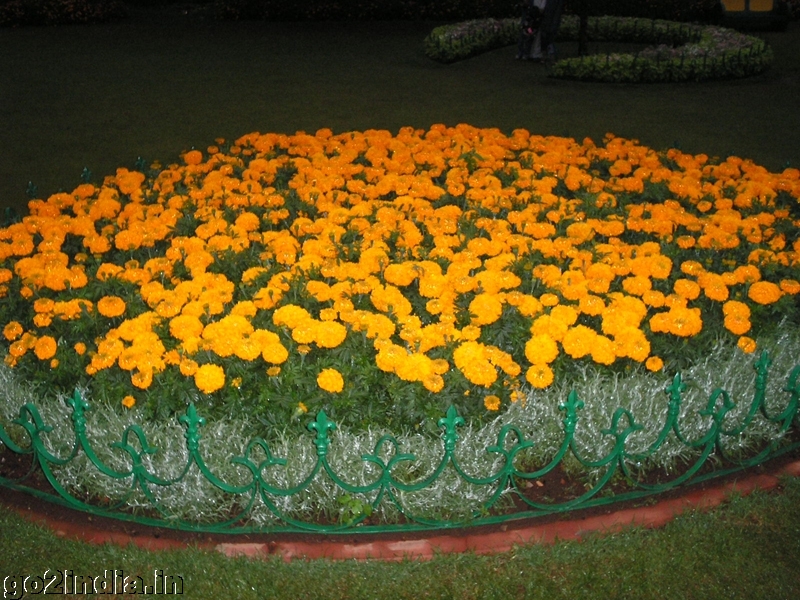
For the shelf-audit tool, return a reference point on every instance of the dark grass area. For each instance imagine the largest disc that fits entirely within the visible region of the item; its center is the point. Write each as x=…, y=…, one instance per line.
x=748, y=549
x=162, y=81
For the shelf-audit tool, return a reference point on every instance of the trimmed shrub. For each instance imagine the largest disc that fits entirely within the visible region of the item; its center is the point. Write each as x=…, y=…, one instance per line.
x=679, y=51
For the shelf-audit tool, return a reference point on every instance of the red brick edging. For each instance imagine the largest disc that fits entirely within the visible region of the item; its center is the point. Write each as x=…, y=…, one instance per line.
x=425, y=548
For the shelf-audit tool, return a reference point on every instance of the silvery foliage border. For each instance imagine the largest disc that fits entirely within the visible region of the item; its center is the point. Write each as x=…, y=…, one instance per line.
x=194, y=499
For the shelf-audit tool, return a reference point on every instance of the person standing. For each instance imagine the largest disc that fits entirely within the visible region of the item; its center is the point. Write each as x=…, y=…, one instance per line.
x=545, y=47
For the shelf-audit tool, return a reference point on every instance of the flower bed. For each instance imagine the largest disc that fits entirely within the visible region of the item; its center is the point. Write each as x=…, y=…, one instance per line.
x=385, y=279
x=679, y=51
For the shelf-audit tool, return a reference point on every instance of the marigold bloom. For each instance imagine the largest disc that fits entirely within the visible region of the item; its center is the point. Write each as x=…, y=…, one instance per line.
x=654, y=363
x=764, y=292
x=111, y=306
x=45, y=347
x=209, y=378
x=491, y=402
x=330, y=380
x=539, y=376
x=128, y=401
x=746, y=344
x=12, y=331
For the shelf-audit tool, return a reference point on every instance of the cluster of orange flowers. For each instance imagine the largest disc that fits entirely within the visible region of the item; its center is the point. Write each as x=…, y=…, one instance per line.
x=464, y=256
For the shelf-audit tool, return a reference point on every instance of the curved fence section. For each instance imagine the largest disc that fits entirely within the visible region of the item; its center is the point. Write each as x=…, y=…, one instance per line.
x=617, y=475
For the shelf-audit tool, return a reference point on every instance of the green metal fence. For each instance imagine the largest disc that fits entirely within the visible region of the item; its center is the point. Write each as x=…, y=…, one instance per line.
x=387, y=486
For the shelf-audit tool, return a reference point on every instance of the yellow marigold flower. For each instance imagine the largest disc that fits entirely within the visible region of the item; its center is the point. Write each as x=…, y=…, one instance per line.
x=433, y=383
x=539, y=376
x=142, y=379
x=128, y=402
x=274, y=371
x=12, y=331
x=209, y=378
x=764, y=292
x=485, y=309
x=111, y=306
x=54, y=363
x=631, y=342
x=330, y=380
x=541, y=349
x=591, y=305
x=603, y=351
x=548, y=299
x=80, y=348
x=290, y=315
x=746, y=344
x=637, y=285
x=578, y=341
x=565, y=314
x=187, y=367
x=45, y=347
x=491, y=403
x=184, y=327
x=329, y=334
x=303, y=349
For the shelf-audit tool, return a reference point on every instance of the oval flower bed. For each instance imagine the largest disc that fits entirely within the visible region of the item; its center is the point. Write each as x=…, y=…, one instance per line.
x=383, y=279
x=676, y=52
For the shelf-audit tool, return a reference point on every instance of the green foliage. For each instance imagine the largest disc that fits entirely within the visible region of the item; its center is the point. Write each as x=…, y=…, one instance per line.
x=59, y=12
x=317, y=10
x=681, y=52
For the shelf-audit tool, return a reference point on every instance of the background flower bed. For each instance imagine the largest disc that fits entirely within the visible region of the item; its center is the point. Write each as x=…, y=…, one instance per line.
x=678, y=51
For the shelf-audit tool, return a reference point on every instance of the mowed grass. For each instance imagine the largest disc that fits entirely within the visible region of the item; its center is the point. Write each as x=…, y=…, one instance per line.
x=747, y=548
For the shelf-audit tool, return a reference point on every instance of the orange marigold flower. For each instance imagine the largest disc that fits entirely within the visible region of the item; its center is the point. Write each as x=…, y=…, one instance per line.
x=790, y=286
x=654, y=363
x=45, y=347
x=193, y=157
x=330, y=380
x=209, y=378
x=491, y=402
x=128, y=401
x=746, y=344
x=578, y=341
x=764, y=292
x=111, y=306
x=80, y=348
x=686, y=288
x=541, y=349
x=12, y=331
x=539, y=376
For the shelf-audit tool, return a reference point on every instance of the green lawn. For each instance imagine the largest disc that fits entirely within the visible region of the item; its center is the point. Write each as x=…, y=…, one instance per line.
x=748, y=548
x=160, y=82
